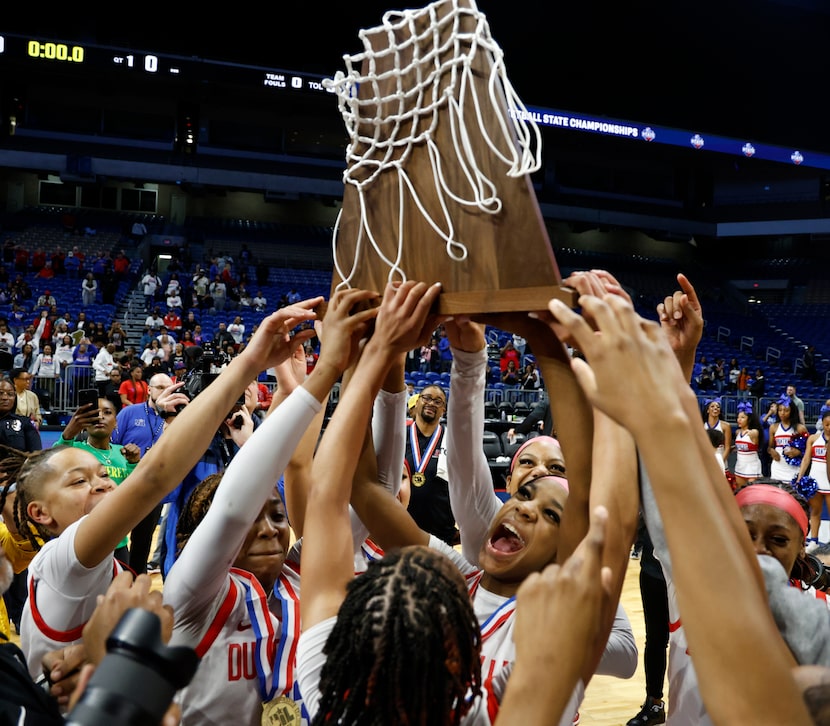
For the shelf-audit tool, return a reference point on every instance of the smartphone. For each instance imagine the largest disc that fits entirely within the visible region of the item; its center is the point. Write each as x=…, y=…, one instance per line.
x=88, y=395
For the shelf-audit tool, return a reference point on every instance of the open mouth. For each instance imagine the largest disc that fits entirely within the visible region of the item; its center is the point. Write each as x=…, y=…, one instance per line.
x=506, y=539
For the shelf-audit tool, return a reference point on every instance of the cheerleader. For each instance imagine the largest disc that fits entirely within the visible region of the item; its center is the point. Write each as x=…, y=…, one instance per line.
x=815, y=462
x=784, y=439
x=747, y=443
x=713, y=420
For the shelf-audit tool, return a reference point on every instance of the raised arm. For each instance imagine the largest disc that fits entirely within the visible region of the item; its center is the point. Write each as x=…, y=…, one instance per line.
x=472, y=499
x=177, y=451
x=742, y=663
x=250, y=478
x=327, y=555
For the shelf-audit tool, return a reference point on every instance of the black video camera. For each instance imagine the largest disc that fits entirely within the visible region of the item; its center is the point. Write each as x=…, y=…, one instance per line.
x=135, y=682
x=206, y=366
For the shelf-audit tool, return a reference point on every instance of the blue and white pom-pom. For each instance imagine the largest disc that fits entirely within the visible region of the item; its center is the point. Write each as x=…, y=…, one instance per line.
x=806, y=486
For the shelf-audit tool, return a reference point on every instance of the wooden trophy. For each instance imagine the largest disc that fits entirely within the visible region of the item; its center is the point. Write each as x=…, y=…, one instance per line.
x=437, y=184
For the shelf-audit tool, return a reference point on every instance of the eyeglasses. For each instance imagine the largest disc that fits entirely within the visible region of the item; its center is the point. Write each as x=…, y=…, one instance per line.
x=434, y=400
x=7, y=394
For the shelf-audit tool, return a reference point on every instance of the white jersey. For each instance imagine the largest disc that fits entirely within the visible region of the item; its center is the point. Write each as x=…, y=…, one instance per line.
x=62, y=597
x=818, y=463
x=747, y=461
x=230, y=665
x=781, y=469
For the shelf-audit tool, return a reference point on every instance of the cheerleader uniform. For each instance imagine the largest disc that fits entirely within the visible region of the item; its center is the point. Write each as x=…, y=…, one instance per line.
x=747, y=461
x=720, y=449
x=781, y=469
x=818, y=464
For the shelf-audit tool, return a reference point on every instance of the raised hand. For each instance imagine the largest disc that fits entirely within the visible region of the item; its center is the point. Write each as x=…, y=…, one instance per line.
x=464, y=334
x=404, y=321
x=274, y=340
x=348, y=321
x=620, y=346
x=681, y=317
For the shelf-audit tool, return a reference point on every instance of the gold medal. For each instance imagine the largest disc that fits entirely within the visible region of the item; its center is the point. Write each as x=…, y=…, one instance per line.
x=281, y=711
x=418, y=479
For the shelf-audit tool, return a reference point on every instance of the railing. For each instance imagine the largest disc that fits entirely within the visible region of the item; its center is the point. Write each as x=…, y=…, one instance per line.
x=61, y=394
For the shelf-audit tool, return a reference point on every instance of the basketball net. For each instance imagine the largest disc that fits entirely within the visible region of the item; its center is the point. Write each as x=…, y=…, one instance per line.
x=433, y=120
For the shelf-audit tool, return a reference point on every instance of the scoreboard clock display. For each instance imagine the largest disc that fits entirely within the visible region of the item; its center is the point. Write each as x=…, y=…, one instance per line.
x=93, y=60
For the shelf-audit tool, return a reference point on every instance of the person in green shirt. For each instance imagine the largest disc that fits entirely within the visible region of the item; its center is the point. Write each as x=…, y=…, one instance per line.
x=119, y=460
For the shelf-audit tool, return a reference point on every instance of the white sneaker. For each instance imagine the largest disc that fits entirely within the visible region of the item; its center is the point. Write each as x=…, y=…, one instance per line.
x=812, y=544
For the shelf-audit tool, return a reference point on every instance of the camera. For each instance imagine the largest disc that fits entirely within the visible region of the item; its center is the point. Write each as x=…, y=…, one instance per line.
x=206, y=364
x=135, y=682
x=821, y=581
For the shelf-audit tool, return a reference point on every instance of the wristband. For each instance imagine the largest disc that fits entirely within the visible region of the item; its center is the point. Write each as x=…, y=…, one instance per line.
x=167, y=414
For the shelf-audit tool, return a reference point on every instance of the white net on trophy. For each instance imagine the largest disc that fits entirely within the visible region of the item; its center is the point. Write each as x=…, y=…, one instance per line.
x=438, y=160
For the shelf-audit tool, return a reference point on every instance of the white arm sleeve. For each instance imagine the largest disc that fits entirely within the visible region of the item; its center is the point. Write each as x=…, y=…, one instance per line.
x=472, y=499
x=199, y=573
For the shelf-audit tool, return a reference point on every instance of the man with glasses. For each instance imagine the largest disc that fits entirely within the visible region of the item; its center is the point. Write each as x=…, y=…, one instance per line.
x=429, y=503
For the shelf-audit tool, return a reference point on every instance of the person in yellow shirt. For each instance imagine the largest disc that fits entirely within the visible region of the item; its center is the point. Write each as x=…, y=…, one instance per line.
x=18, y=551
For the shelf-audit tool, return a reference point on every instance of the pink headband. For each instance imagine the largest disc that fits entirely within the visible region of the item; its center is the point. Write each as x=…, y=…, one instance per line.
x=527, y=443
x=775, y=497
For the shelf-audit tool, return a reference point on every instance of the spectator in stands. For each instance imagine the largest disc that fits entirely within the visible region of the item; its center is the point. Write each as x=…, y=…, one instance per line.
x=81, y=323
x=507, y=353
x=109, y=286
x=46, y=299
x=117, y=336
x=172, y=321
x=38, y=259
x=6, y=345
x=134, y=389
x=743, y=383
x=28, y=404
x=189, y=322
x=808, y=360
x=796, y=401
x=58, y=260
x=237, y=331
x=197, y=336
x=245, y=300
x=178, y=360
x=218, y=293
x=138, y=231
x=166, y=341
x=530, y=377
x=758, y=387
x=510, y=375
x=199, y=290
x=153, y=350
x=222, y=338
x=72, y=265
x=21, y=259
x=98, y=335
x=154, y=321
x=293, y=296
x=150, y=284
x=146, y=336
x=45, y=272
x=102, y=364
x=16, y=320
x=174, y=285
x=187, y=339
x=64, y=351
x=121, y=266
x=25, y=359
x=100, y=264
x=112, y=387
x=31, y=334
x=47, y=370
x=444, y=352
x=260, y=302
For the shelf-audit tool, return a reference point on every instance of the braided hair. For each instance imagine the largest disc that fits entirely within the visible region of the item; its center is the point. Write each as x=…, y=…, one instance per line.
x=405, y=647
x=25, y=473
x=195, y=509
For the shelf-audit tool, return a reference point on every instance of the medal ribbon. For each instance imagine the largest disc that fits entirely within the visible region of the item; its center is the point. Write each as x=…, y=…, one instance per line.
x=264, y=650
x=289, y=635
x=417, y=459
